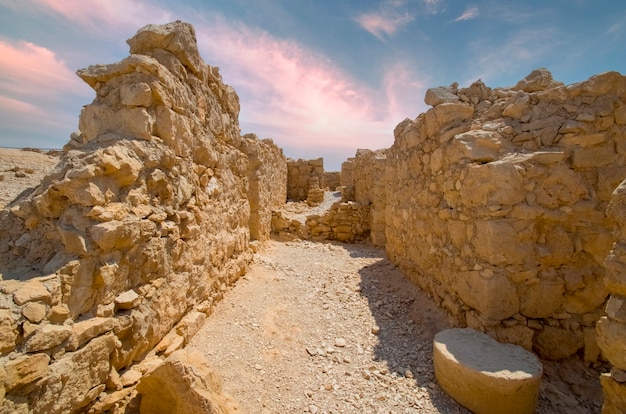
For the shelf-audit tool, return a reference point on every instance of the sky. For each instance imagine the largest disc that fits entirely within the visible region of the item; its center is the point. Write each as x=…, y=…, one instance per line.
x=322, y=78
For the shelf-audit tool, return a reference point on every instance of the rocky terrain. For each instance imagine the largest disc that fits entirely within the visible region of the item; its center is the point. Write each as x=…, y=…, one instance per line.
x=23, y=169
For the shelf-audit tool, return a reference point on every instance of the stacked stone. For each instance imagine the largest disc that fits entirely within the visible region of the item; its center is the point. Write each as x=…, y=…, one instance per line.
x=346, y=222
x=612, y=327
x=299, y=175
x=332, y=179
x=369, y=189
x=267, y=183
x=123, y=250
x=315, y=195
x=496, y=204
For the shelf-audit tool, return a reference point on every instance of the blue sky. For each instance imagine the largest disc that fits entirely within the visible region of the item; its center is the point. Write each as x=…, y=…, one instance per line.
x=322, y=78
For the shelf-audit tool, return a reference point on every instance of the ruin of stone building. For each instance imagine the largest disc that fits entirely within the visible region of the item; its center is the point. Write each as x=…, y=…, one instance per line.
x=494, y=201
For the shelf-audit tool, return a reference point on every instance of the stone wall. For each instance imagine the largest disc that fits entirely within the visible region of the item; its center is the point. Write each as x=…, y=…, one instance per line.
x=301, y=174
x=612, y=327
x=123, y=250
x=346, y=222
x=332, y=179
x=368, y=188
x=496, y=204
x=267, y=183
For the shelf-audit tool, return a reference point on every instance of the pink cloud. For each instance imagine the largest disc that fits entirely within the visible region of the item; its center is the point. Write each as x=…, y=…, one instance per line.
x=299, y=98
x=114, y=14
x=29, y=69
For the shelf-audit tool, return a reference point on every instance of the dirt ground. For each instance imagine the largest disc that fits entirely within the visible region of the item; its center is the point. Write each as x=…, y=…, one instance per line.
x=336, y=328
x=327, y=328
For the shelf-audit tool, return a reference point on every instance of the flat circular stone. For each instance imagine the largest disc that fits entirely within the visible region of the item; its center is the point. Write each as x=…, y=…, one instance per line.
x=484, y=375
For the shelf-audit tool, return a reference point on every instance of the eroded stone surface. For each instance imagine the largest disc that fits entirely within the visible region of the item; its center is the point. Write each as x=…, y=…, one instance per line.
x=484, y=375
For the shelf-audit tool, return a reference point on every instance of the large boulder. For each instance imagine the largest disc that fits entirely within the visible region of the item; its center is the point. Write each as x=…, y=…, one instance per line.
x=184, y=383
x=484, y=375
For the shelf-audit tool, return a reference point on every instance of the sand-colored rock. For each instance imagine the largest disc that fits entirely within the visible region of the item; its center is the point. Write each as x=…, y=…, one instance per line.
x=184, y=383
x=484, y=375
x=146, y=218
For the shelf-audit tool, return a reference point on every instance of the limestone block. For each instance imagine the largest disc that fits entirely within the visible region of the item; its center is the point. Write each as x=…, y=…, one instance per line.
x=439, y=95
x=8, y=330
x=484, y=375
x=504, y=241
x=75, y=380
x=86, y=330
x=541, y=297
x=444, y=114
x=494, y=296
x=612, y=341
x=30, y=292
x=46, y=337
x=593, y=157
x=114, y=234
x=538, y=80
x=557, y=343
x=34, y=311
x=494, y=183
x=178, y=38
x=136, y=94
x=614, y=395
x=477, y=145
x=183, y=383
x=24, y=370
x=127, y=300
x=190, y=324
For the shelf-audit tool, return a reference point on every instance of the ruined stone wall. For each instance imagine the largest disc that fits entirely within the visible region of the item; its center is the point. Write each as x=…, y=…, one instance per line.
x=345, y=222
x=122, y=251
x=347, y=179
x=496, y=204
x=368, y=176
x=301, y=174
x=267, y=183
x=332, y=179
x=612, y=327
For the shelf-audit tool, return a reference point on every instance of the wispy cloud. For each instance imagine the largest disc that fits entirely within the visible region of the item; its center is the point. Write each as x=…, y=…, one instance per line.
x=470, y=13
x=29, y=69
x=390, y=16
x=300, y=98
x=103, y=15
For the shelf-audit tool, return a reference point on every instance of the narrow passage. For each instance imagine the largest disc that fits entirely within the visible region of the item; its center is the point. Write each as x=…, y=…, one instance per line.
x=325, y=328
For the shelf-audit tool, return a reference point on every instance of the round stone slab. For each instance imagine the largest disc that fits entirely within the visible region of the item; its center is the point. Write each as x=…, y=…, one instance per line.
x=484, y=375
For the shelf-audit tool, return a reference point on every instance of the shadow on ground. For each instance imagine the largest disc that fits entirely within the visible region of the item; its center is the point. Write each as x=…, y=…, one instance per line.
x=408, y=320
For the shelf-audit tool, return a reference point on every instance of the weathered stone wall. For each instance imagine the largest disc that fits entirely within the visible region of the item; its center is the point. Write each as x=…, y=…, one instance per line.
x=368, y=169
x=345, y=221
x=496, y=204
x=612, y=327
x=332, y=179
x=140, y=230
x=267, y=183
x=301, y=174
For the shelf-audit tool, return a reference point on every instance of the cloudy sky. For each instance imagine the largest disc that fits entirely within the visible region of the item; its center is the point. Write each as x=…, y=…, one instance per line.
x=320, y=77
